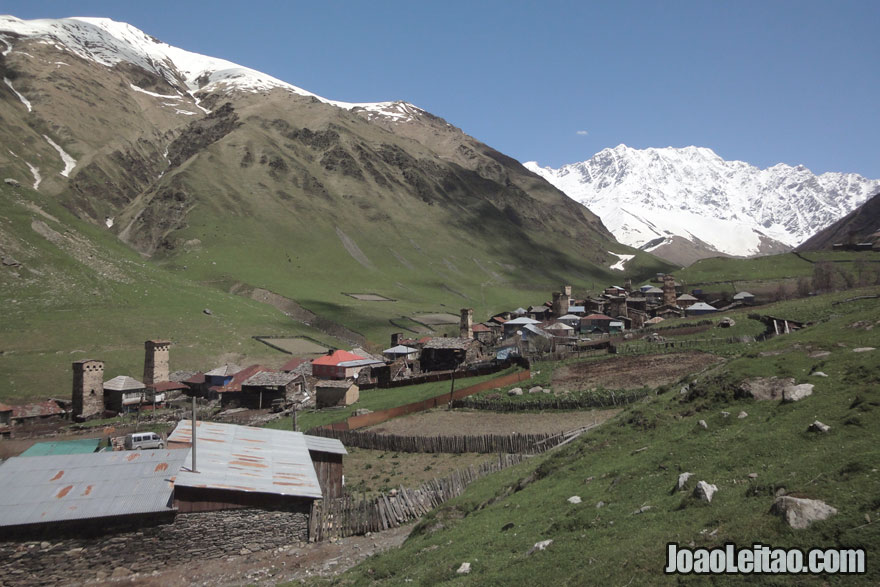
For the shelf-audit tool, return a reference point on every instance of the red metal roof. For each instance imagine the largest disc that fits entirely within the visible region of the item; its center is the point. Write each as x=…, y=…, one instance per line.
x=597, y=317
x=5, y=408
x=481, y=328
x=46, y=408
x=293, y=364
x=197, y=379
x=239, y=378
x=337, y=357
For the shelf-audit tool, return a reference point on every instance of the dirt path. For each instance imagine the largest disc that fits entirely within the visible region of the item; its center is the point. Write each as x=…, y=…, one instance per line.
x=631, y=372
x=291, y=563
x=444, y=422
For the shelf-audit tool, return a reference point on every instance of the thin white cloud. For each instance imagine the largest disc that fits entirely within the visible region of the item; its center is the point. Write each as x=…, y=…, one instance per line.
x=583, y=133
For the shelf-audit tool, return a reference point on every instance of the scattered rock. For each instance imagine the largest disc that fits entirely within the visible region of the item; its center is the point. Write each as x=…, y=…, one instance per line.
x=819, y=374
x=507, y=526
x=14, y=183
x=742, y=415
x=726, y=323
x=45, y=545
x=536, y=389
x=800, y=512
x=539, y=546
x=703, y=424
x=705, y=491
x=574, y=499
x=548, y=390
x=120, y=573
x=464, y=569
x=682, y=481
x=725, y=414
x=753, y=475
x=864, y=349
x=10, y=262
x=641, y=510
x=600, y=505
x=362, y=412
x=207, y=311
x=780, y=492
x=819, y=354
x=818, y=426
x=515, y=391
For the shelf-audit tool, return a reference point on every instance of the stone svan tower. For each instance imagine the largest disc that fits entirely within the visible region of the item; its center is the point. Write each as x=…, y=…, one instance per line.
x=88, y=389
x=466, y=325
x=669, y=297
x=156, y=361
x=560, y=302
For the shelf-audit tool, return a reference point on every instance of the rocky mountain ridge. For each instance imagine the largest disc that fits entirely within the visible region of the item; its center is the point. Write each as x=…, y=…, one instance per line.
x=688, y=203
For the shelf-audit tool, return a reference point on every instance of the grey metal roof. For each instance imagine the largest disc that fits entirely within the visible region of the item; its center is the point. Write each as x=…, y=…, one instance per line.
x=321, y=444
x=742, y=295
x=521, y=321
x=654, y=290
x=569, y=317
x=581, y=309
x=534, y=329
x=359, y=363
x=123, y=383
x=37, y=490
x=244, y=458
x=399, y=350
x=700, y=306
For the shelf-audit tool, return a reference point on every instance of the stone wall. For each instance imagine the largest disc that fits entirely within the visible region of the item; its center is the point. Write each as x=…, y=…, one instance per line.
x=200, y=536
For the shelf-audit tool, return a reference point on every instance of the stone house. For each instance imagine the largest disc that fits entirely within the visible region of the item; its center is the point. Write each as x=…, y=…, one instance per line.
x=447, y=353
x=124, y=394
x=334, y=392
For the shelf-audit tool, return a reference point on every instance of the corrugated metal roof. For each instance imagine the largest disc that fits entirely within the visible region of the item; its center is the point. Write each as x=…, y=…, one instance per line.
x=742, y=295
x=82, y=486
x=63, y=447
x=701, y=306
x=244, y=458
x=123, y=383
x=360, y=363
x=321, y=444
x=399, y=350
x=36, y=410
x=336, y=358
x=580, y=309
x=225, y=371
x=521, y=321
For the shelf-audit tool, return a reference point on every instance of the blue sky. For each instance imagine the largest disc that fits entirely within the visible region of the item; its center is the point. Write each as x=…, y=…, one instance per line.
x=763, y=82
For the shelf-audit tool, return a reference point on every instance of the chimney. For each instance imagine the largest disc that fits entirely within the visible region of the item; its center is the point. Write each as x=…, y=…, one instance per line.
x=466, y=325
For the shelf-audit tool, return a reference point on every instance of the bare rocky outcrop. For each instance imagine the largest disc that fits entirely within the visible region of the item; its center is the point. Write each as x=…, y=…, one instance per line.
x=704, y=491
x=775, y=388
x=800, y=512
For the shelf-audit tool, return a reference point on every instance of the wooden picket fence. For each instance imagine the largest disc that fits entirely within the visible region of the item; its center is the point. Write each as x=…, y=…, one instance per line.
x=350, y=516
x=484, y=443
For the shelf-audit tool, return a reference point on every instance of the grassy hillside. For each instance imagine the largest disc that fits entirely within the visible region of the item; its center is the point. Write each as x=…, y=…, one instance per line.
x=763, y=275
x=79, y=292
x=633, y=461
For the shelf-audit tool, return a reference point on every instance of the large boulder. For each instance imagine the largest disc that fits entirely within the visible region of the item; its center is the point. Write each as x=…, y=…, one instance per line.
x=681, y=484
x=775, y=388
x=800, y=512
x=515, y=391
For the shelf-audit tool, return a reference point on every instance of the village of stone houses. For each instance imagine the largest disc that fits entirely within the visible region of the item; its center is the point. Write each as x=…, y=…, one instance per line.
x=263, y=474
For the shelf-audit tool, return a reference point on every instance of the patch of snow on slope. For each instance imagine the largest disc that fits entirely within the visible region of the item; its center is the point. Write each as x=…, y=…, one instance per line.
x=69, y=162
x=20, y=97
x=109, y=42
x=154, y=94
x=35, y=171
x=623, y=259
x=8, y=44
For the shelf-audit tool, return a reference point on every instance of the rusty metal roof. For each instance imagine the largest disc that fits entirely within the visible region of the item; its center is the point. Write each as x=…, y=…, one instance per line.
x=38, y=490
x=244, y=458
x=37, y=410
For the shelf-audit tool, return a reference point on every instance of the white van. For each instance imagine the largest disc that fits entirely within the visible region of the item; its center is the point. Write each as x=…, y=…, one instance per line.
x=140, y=440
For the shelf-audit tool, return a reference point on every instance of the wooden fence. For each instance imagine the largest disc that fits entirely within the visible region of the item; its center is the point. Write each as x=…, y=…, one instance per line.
x=484, y=443
x=349, y=516
x=605, y=400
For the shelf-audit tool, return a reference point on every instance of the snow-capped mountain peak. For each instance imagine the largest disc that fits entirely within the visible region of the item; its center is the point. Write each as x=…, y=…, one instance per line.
x=647, y=197
x=109, y=42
